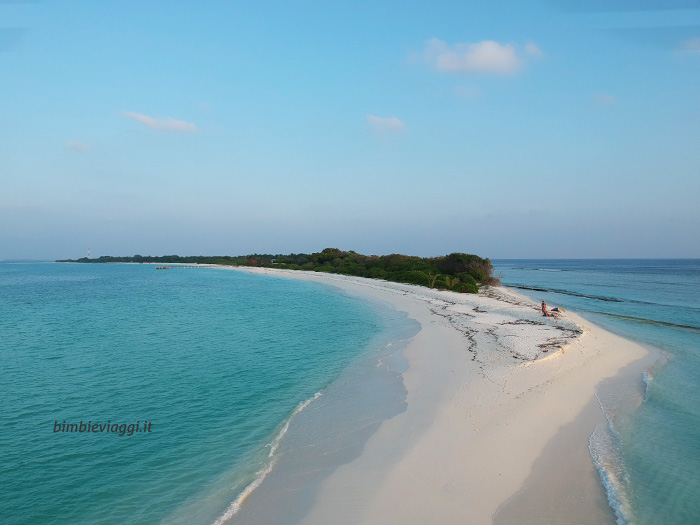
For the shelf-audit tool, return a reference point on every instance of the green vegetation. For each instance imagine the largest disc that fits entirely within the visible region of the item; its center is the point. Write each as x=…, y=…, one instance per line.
x=459, y=272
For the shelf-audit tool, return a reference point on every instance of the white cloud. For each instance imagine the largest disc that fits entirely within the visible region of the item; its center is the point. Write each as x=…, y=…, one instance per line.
x=604, y=100
x=161, y=124
x=692, y=45
x=76, y=145
x=533, y=49
x=481, y=57
x=385, y=123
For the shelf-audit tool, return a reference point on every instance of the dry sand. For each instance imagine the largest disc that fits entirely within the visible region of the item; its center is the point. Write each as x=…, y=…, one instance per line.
x=498, y=396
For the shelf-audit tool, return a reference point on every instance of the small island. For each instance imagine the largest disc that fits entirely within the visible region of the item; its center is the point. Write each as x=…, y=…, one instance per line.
x=458, y=272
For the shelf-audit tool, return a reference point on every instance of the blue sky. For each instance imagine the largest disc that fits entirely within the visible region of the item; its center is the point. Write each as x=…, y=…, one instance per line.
x=520, y=129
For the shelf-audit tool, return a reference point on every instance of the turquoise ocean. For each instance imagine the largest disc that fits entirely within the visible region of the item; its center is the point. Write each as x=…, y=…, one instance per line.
x=648, y=451
x=239, y=374
x=187, y=388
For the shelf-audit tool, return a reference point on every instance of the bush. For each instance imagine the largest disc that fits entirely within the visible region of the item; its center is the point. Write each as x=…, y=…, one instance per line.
x=415, y=277
x=350, y=268
x=376, y=273
x=439, y=282
x=466, y=278
x=326, y=255
x=478, y=274
x=466, y=288
x=459, y=262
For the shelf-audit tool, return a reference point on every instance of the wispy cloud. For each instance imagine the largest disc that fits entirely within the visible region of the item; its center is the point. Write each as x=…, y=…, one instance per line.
x=604, y=99
x=385, y=124
x=76, y=145
x=533, y=49
x=692, y=45
x=161, y=124
x=486, y=56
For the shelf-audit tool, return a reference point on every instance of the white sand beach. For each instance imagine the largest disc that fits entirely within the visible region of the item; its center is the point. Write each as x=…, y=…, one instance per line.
x=501, y=403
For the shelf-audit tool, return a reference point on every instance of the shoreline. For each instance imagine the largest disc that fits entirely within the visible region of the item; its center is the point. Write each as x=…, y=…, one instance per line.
x=491, y=385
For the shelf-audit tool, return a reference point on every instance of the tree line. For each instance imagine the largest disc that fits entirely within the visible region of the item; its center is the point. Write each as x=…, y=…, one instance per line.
x=459, y=272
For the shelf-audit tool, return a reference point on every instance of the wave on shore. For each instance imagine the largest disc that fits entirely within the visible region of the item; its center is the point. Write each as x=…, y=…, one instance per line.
x=262, y=473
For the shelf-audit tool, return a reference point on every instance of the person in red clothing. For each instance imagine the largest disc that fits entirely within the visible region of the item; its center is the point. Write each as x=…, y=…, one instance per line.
x=554, y=312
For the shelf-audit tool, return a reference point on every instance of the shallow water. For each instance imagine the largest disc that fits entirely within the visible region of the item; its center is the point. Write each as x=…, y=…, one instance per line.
x=220, y=363
x=648, y=452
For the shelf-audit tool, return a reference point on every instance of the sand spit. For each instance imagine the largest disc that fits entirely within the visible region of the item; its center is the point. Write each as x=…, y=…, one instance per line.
x=490, y=383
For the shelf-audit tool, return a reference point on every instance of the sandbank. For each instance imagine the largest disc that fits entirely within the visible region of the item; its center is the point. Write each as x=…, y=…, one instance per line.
x=500, y=407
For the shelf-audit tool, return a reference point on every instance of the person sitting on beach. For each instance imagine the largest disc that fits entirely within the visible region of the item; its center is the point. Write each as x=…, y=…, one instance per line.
x=549, y=314
x=553, y=313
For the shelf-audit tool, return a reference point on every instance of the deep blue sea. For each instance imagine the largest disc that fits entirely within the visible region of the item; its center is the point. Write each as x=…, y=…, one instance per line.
x=183, y=386
x=648, y=455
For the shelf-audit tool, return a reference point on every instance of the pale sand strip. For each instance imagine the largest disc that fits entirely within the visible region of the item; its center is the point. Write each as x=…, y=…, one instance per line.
x=484, y=399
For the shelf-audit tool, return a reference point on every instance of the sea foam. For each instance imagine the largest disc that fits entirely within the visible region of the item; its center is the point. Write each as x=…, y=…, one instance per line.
x=235, y=507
